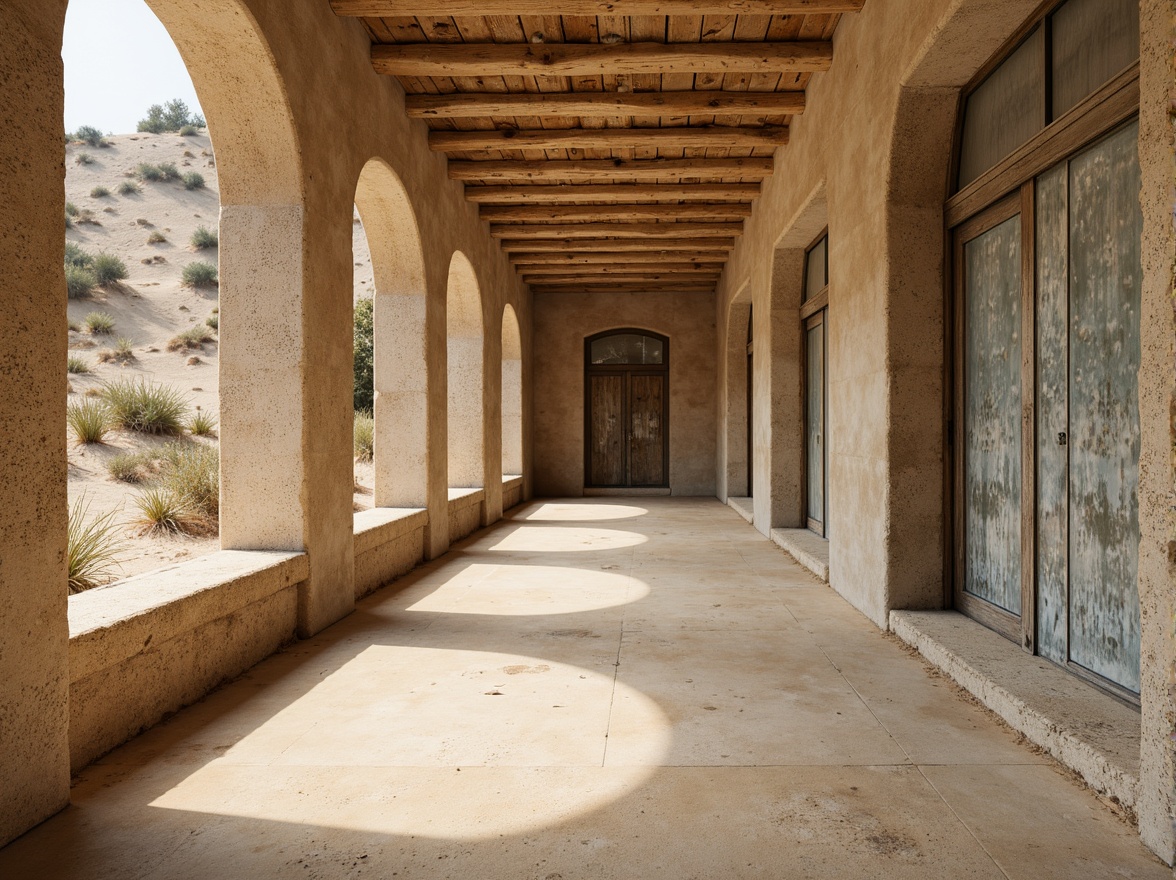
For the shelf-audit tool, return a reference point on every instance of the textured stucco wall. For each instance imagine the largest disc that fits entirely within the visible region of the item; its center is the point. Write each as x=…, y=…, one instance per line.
x=561, y=324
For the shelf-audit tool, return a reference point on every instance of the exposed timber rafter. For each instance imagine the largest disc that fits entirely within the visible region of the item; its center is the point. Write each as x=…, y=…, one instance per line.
x=466, y=8
x=600, y=244
x=615, y=230
x=594, y=169
x=606, y=104
x=595, y=59
x=628, y=258
x=589, y=284
x=703, y=137
x=642, y=192
x=629, y=269
x=616, y=212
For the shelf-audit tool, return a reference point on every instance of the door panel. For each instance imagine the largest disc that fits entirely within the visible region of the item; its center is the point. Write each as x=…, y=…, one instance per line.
x=1105, y=281
x=647, y=431
x=607, y=430
x=815, y=422
x=992, y=416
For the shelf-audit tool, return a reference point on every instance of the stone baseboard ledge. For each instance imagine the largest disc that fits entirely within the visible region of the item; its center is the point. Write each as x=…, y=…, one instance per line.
x=807, y=548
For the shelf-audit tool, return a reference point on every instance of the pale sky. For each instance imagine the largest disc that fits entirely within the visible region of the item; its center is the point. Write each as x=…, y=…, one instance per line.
x=119, y=60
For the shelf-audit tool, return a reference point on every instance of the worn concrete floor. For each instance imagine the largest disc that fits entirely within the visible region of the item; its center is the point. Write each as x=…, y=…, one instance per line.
x=611, y=688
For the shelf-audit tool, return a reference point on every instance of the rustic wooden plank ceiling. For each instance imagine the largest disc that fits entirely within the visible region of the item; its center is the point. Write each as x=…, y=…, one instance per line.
x=619, y=144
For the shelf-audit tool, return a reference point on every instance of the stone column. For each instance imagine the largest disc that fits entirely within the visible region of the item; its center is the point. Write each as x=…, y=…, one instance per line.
x=34, y=630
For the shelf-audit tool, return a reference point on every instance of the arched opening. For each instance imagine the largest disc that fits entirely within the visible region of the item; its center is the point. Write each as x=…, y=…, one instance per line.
x=512, y=395
x=389, y=270
x=463, y=324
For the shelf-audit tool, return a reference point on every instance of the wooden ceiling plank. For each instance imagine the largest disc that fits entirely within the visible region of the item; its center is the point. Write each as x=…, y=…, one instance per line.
x=651, y=278
x=605, y=104
x=723, y=137
x=591, y=170
x=692, y=257
x=624, y=192
x=602, y=245
x=467, y=8
x=601, y=230
x=474, y=60
x=524, y=214
x=624, y=269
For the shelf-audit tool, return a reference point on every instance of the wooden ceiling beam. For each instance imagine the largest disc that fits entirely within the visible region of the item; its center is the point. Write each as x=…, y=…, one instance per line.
x=626, y=269
x=566, y=260
x=477, y=8
x=623, y=192
x=600, y=244
x=616, y=279
x=682, y=286
x=615, y=230
x=597, y=59
x=594, y=169
x=704, y=137
x=615, y=212
x=605, y=104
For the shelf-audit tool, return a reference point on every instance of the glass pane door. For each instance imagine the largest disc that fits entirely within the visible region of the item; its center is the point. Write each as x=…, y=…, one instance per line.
x=815, y=422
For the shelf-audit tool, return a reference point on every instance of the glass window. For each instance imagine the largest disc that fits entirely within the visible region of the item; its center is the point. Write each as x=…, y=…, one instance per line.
x=627, y=348
x=1005, y=110
x=816, y=268
x=1092, y=41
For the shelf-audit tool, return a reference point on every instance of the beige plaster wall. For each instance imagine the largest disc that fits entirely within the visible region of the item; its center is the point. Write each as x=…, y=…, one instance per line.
x=561, y=324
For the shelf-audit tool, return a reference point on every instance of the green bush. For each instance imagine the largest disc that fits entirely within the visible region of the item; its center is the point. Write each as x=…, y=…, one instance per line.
x=122, y=353
x=91, y=548
x=188, y=130
x=364, y=357
x=84, y=159
x=75, y=256
x=129, y=188
x=152, y=173
x=156, y=237
x=169, y=170
x=200, y=274
x=71, y=210
x=136, y=405
x=131, y=467
x=161, y=512
x=193, y=180
x=68, y=222
x=172, y=116
x=76, y=365
x=364, y=436
x=202, y=425
x=193, y=337
x=213, y=321
x=88, y=420
x=90, y=135
x=204, y=238
x=79, y=282
x=191, y=472
x=109, y=269
x=98, y=323
x=99, y=192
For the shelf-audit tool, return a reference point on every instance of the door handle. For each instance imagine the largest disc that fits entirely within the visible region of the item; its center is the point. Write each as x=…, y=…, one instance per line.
x=1062, y=439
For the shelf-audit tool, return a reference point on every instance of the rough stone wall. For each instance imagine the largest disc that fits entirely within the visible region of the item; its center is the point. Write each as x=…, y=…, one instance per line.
x=561, y=324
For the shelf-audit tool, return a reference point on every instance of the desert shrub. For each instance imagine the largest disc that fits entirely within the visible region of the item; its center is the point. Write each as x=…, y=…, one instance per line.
x=75, y=364
x=109, y=269
x=89, y=134
x=74, y=326
x=156, y=237
x=75, y=256
x=193, y=180
x=84, y=159
x=204, y=238
x=172, y=116
x=364, y=390
x=161, y=512
x=188, y=130
x=364, y=436
x=200, y=274
x=128, y=188
x=149, y=172
x=71, y=210
x=202, y=425
x=122, y=353
x=80, y=281
x=137, y=405
x=91, y=547
x=191, y=472
x=213, y=321
x=169, y=170
x=85, y=216
x=68, y=222
x=88, y=420
x=193, y=337
x=98, y=323
x=131, y=467
x=99, y=192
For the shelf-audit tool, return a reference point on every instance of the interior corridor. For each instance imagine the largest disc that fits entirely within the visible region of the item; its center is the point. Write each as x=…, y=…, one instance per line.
x=607, y=688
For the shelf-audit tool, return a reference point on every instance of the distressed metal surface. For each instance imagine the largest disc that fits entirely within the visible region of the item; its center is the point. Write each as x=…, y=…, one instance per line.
x=815, y=421
x=1105, y=278
x=992, y=476
x=1052, y=419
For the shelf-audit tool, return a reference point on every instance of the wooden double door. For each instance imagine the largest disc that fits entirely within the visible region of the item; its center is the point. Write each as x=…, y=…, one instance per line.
x=626, y=410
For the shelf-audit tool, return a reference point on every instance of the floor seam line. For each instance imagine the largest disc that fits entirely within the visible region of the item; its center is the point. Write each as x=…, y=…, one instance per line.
x=964, y=824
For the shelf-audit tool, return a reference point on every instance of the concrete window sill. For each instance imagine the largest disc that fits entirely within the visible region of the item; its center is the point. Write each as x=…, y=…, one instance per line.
x=384, y=524
x=510, y=481
x=462, y=498
x=110, y=625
